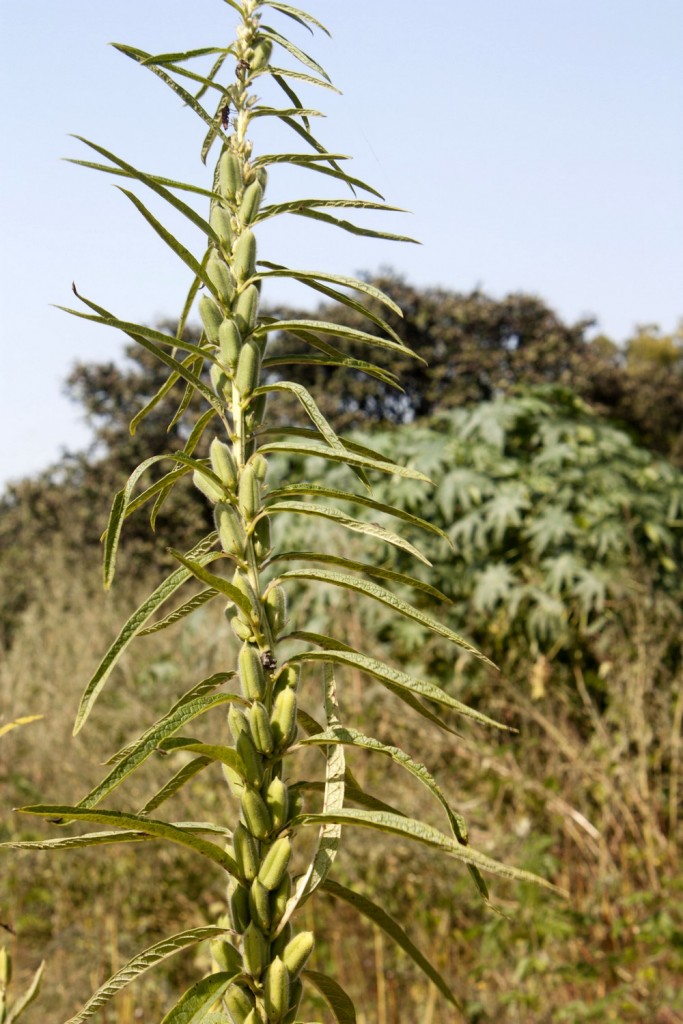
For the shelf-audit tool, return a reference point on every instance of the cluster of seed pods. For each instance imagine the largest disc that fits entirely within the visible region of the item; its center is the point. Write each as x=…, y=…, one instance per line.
x=266, y=955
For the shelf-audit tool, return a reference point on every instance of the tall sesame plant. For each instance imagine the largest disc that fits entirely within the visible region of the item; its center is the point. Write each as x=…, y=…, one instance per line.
x=261, y=967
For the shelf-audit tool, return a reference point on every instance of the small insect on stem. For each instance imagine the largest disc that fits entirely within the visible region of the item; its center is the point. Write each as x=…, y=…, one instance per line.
x=225, y=116
x=268, y=661
x=242, y=67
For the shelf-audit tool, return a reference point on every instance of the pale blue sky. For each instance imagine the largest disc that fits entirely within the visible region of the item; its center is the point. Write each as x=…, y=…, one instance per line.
x=538, y=144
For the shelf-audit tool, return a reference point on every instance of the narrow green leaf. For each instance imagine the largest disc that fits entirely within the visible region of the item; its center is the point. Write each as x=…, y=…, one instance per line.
x=182, y=186
x=181, y=55
x=277, y=270
x=339, y=331
x=108, y=838
x=390, y=600
x=172, y=242
x=155, y=186
x=359, y=499
x=312, y=163
x=141, y=963
x=300, y=75
x=393, y=929
x=299, y=205
x=131, y=628
x=330, y=834
x=349, y=457
x=353, y=229
x=348, y=522
x=25, y=1000
x=148, y=826
x=283, y=112
x=365, y=567
x=153, y=489
x=175, y=783
x=332, y=359
x=198, y=601
x=385, y=674
x=334, y=995
x=151, y=741
x=212, y=751
x=194, y=1004
x=310, y=407
x=291, y=95
x=216, y=582
x=293, y=12
x=303, y=58
x=411, y=828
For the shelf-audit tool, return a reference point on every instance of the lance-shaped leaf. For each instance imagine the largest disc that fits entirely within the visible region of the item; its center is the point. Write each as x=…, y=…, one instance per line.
x=330, y=833
x=218, y=583
x=303, y=17
x=343, y=281
x=364, y=567
x=359, y=499
x=353, y=229
x=357, y=525
x=396, y=679
x=272, y=34
x=393, y=929
x=404, y=694
x=198, y=601
x=331, y=357
x=312, y=162
x=108, y=838
x=298, y=205
x=158, y=179
x=141, y=963
x=349, y=457
x=411, y=828
x=131, y=628
x=136, y=823
x=385, y=597
x=155, y=185
x=351, y=737
x=339, y=331
x=17, y=1008
x=301, y=76
x=151, y=741
x=175, y=783
x=24, y=720
x=213, y=751
x=286, y=112
x=182, y=55
x=194, y=1004
x=334, y=995
x=309, y=405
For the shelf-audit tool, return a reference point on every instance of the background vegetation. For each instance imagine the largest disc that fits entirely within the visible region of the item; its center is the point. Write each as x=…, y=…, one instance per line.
x=556, y=458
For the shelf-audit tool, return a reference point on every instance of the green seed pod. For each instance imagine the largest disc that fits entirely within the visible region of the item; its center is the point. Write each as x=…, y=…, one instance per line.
x=240, y=581
x=255, y=954
x=275, y=863
x=253, y=762
x=249, y=493
x=281, y=941
x=283, y=719
x=295, y=993
x=276, y=990
x=257, y=408
x=244, y=255
x=245, y=309
x=251, y=673
x=288, y=676
x=256, y=814
x=229, y=175
x=261, y=538
x=226, y=956
x=276, y=608
x=220, y=221
x=248, y=368
x=262, y=52
x=237, y=722
x=221, y=382
x=297, y=953
x=223, y=463
x=246, y=852
x=277, y=802
x=208, y=488
x=234, y=781
x=229, y=343
x=218, y=273
x=280, y=897
x=259, y=905
x=211, y=317
x=238, y=904
x=230, y=531
x=254, y=1018
x=242, y=630
x=259, y=725
x=251, y=202
x=262, y=177
x=240, y=1002
x=260, y=466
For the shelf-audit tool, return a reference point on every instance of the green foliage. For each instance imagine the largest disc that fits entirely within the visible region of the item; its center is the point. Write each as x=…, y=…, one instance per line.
x=225, y=371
